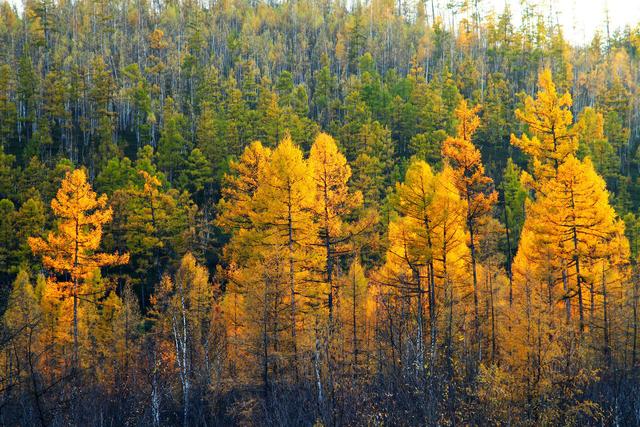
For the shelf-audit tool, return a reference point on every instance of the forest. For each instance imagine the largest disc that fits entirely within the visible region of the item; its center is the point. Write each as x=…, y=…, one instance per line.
x=316, y=213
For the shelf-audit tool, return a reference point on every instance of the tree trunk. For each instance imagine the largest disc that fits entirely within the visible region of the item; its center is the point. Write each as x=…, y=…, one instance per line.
x=576, y=260
x=292, y=287
x=75, y=362
x=265, y=343
x=509, y=273
x=567, y=300
x=476, y=318
x=420, y=334
x=635, y=319
x=355, y=335
x=493, y=319
x=433, y=324
x=316, y=369
x=607, y=347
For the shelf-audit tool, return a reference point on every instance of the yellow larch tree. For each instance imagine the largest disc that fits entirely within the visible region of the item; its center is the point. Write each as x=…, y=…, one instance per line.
x=284, y=202
x=411, y=241
x=236, y=214
x=610, y=296
x=22, y=306
x=334, y=202
x=568, y=272
x=400, y=289
x=356, y=331
x=71, y=250
x=109, y=328
x=474, y=186
x=427, y=253
x=575, y=208
x=451, y=258
x=257, y=313
x=570, y=266
x=274, y=260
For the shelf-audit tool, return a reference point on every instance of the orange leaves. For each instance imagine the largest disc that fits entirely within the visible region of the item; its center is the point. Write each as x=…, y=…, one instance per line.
x=570, y=266
x=466, y=163
x=432, y=223
x=287, y=218
x=468, y=120
x=71, y=248
x=285, y=198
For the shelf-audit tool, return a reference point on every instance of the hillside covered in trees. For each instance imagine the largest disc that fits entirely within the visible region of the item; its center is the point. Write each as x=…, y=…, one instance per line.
x=314, y=212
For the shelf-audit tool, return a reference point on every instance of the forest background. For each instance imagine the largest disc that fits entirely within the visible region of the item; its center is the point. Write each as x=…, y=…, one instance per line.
x=309, y=212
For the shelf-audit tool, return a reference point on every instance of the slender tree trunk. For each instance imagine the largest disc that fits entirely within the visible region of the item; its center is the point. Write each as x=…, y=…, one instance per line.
x=607, y=345
x=75, y=362
x=265, y=342
x=392, y=337
x=476, y=318
x=420, y=321
x=567, y=300
x=449, y=291
x=292, y=286
x=75, y=324
x=181, y=340
x=576, y=259
x=592, y=303
x=316, y=368
x=155, y=389
x=493, y=319
x=509, y=273
x=432, y=316
x=276, y=341
x=579, y=283
x=635, y=319
x=529, y=315
x=431, y=289
x=355, y=335
x=330, y=302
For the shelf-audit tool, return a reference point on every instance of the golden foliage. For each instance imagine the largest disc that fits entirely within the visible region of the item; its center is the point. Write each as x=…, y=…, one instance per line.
x=548, y=119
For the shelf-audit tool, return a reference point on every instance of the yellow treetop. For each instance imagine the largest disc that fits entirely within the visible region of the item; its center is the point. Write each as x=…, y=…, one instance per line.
x=331, y=173
x=241, y=184
x=427, y=252
x=468, y=120
x=548, y=118
x=286, y=193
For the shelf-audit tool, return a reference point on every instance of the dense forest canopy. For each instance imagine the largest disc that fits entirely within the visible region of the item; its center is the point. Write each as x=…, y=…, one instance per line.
x=316, y=212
